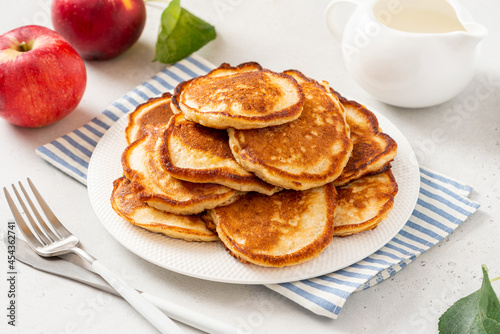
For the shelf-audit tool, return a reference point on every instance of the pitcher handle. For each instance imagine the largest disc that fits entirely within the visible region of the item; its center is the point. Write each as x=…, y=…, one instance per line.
x=334, y=21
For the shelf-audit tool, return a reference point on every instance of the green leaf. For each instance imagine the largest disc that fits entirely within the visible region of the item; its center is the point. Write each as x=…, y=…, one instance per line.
x=478, y=313
x=181, y=33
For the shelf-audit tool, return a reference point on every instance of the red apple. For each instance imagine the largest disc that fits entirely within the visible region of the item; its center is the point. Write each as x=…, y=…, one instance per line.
x=99, y=29
x=42, y=78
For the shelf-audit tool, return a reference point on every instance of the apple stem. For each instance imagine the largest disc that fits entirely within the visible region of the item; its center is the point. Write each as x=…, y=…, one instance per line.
x=23, y=47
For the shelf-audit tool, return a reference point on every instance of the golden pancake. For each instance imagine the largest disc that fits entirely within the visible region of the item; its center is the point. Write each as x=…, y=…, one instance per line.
x=364, y=203
x=308, y=152
x=372, y=151
x=154, y=111
x=155, y=186
x=126, y=204
x=194, y=153
x=242, y=97
x=287, y=228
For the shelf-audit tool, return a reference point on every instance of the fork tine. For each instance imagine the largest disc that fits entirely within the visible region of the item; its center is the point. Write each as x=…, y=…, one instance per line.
x=21, y=224
x=32, y=225
x=41, y=222
x=59, y=228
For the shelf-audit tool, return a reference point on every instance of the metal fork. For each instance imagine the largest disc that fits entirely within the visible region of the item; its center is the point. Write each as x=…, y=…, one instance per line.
x=51, y=238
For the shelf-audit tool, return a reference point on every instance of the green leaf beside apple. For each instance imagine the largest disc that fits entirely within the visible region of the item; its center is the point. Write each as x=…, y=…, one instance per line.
x=478, y=313
x=181, y=33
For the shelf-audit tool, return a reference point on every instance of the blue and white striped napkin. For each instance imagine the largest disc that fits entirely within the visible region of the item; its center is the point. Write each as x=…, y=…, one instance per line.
x=441, y=207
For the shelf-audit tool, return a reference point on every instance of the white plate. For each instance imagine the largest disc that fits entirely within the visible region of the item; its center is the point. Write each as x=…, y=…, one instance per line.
x=211, y=261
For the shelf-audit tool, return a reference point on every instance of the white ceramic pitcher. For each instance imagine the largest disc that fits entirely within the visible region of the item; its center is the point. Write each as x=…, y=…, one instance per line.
x=408, y=53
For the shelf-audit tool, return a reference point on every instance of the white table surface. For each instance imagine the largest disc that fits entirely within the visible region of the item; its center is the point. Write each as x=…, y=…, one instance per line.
x=279, y=34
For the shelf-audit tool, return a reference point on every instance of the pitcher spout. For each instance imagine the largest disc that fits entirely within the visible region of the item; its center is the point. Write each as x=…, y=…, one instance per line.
x=475, y=31
x=473, y=34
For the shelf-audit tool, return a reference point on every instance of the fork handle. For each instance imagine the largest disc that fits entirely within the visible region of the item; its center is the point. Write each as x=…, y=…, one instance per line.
x=143, y=306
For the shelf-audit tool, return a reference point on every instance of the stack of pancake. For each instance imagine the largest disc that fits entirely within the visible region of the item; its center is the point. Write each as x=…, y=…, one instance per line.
x=274, y=165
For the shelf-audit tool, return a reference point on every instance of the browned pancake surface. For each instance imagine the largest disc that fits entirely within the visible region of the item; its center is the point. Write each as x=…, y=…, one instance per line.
x=287, y=228
x=245, y=96
x=364, y=203
x=194, y=153
x=308, y=152
x=142, y=165
x=373, y=150
x=126, y=204
x=155, y=111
